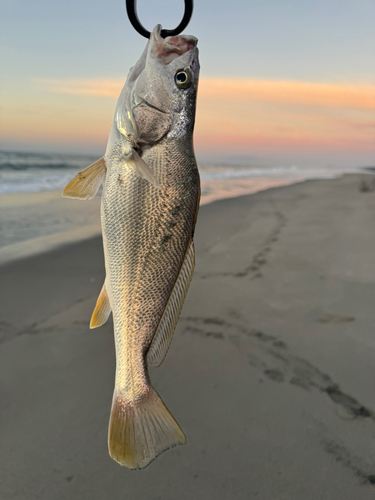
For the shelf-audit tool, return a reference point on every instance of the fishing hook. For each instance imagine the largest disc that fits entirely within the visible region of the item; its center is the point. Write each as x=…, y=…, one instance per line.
x=133, y=18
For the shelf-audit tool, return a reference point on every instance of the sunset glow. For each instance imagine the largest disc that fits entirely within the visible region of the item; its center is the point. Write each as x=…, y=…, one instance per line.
x=282, y=84
x=250, y=116
x=242, y=90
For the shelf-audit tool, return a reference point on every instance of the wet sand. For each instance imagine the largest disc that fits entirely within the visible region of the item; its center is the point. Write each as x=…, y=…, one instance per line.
x=270, y=374
x=34, y=222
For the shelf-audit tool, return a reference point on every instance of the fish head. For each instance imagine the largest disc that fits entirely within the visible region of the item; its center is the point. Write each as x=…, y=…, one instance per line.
x=163, y=95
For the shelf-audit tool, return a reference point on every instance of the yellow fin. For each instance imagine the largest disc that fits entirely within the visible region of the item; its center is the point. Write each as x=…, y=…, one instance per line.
x=102, y=310
x=85, y=184
x=164, y=333
x=139, y=431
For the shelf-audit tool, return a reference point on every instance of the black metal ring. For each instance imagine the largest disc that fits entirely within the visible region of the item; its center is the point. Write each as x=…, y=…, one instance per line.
x=133, y=18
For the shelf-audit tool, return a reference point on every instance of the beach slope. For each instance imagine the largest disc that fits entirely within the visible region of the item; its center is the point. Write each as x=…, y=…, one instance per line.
x=270, y=374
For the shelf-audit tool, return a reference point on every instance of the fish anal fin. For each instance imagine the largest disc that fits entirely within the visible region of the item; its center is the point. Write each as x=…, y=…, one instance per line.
x=85, y=184
x=164, y=333
x=139, y=431
x=102, y=309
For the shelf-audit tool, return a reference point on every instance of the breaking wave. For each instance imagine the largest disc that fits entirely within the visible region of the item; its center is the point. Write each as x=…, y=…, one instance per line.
x=35, y=172
x=38, y=161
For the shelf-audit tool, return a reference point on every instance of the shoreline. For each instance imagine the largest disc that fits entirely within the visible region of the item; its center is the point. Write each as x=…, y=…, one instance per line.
x=45, y=244
x=89, y=212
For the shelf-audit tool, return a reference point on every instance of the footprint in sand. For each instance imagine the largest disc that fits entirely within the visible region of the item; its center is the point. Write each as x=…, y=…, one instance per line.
x=335, y=319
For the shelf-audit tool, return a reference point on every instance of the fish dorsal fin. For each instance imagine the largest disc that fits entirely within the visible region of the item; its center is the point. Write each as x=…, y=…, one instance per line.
x=141, y=168
x=102, y=309
x=164, y=333
x=85, y=184
x=197, y=205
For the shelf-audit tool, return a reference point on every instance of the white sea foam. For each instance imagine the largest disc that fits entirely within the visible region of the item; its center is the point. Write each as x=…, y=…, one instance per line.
x=38, y=218
x=32, y=172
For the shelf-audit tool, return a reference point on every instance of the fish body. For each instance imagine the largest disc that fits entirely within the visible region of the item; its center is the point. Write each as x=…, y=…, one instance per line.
x=148, y=212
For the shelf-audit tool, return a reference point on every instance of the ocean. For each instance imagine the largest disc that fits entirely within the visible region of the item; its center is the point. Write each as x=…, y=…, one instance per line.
x=22, y=172
x=35, y=217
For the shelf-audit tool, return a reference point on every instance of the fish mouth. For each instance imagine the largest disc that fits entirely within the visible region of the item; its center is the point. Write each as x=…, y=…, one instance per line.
x=170, y=48
x=145, y=102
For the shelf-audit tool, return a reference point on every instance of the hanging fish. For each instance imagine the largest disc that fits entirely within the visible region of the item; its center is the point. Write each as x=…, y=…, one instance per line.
x=149, y=207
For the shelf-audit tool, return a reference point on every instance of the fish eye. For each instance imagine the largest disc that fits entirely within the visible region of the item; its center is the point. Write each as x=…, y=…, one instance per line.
x=183, y=78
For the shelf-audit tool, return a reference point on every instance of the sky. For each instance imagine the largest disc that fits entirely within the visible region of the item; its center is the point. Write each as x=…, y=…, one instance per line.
x=282, y=82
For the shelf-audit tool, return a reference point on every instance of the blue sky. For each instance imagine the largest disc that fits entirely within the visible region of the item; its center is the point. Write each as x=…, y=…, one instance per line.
x=330, y=40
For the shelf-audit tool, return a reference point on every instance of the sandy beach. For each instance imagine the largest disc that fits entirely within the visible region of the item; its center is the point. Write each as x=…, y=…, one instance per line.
x=31, y=223
x=270, y=374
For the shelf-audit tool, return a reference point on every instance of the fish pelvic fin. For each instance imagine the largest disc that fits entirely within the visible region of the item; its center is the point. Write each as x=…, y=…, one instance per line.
x=164, y=333
x=141, y=168
x=102, y=310
x=85, y=184
x=140, y=431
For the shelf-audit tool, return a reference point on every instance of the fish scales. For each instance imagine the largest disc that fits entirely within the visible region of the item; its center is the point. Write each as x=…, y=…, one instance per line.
x=146, y=237
x=149, y=208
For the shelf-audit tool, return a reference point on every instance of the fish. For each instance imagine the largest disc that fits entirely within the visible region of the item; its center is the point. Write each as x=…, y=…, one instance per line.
x=149, y=207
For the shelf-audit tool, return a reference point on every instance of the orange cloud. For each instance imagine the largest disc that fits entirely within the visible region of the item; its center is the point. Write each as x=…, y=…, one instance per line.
x=244, y=90
x=289, y=93
x=250, y=116
x=93, y=87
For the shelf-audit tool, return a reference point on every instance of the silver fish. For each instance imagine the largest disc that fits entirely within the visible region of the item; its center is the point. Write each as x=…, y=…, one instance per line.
x=149, y=207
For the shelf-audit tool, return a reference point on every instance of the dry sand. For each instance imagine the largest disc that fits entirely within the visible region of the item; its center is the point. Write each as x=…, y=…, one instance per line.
x=270, y=374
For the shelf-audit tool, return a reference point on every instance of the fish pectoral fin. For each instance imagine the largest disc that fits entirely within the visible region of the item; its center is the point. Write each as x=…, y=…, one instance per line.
x=102, y=309
x=85, y=184
x=164, y=333
x=141, y=168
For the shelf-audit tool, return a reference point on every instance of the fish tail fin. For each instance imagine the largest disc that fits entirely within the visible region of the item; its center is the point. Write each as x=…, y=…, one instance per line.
x=140, y=431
